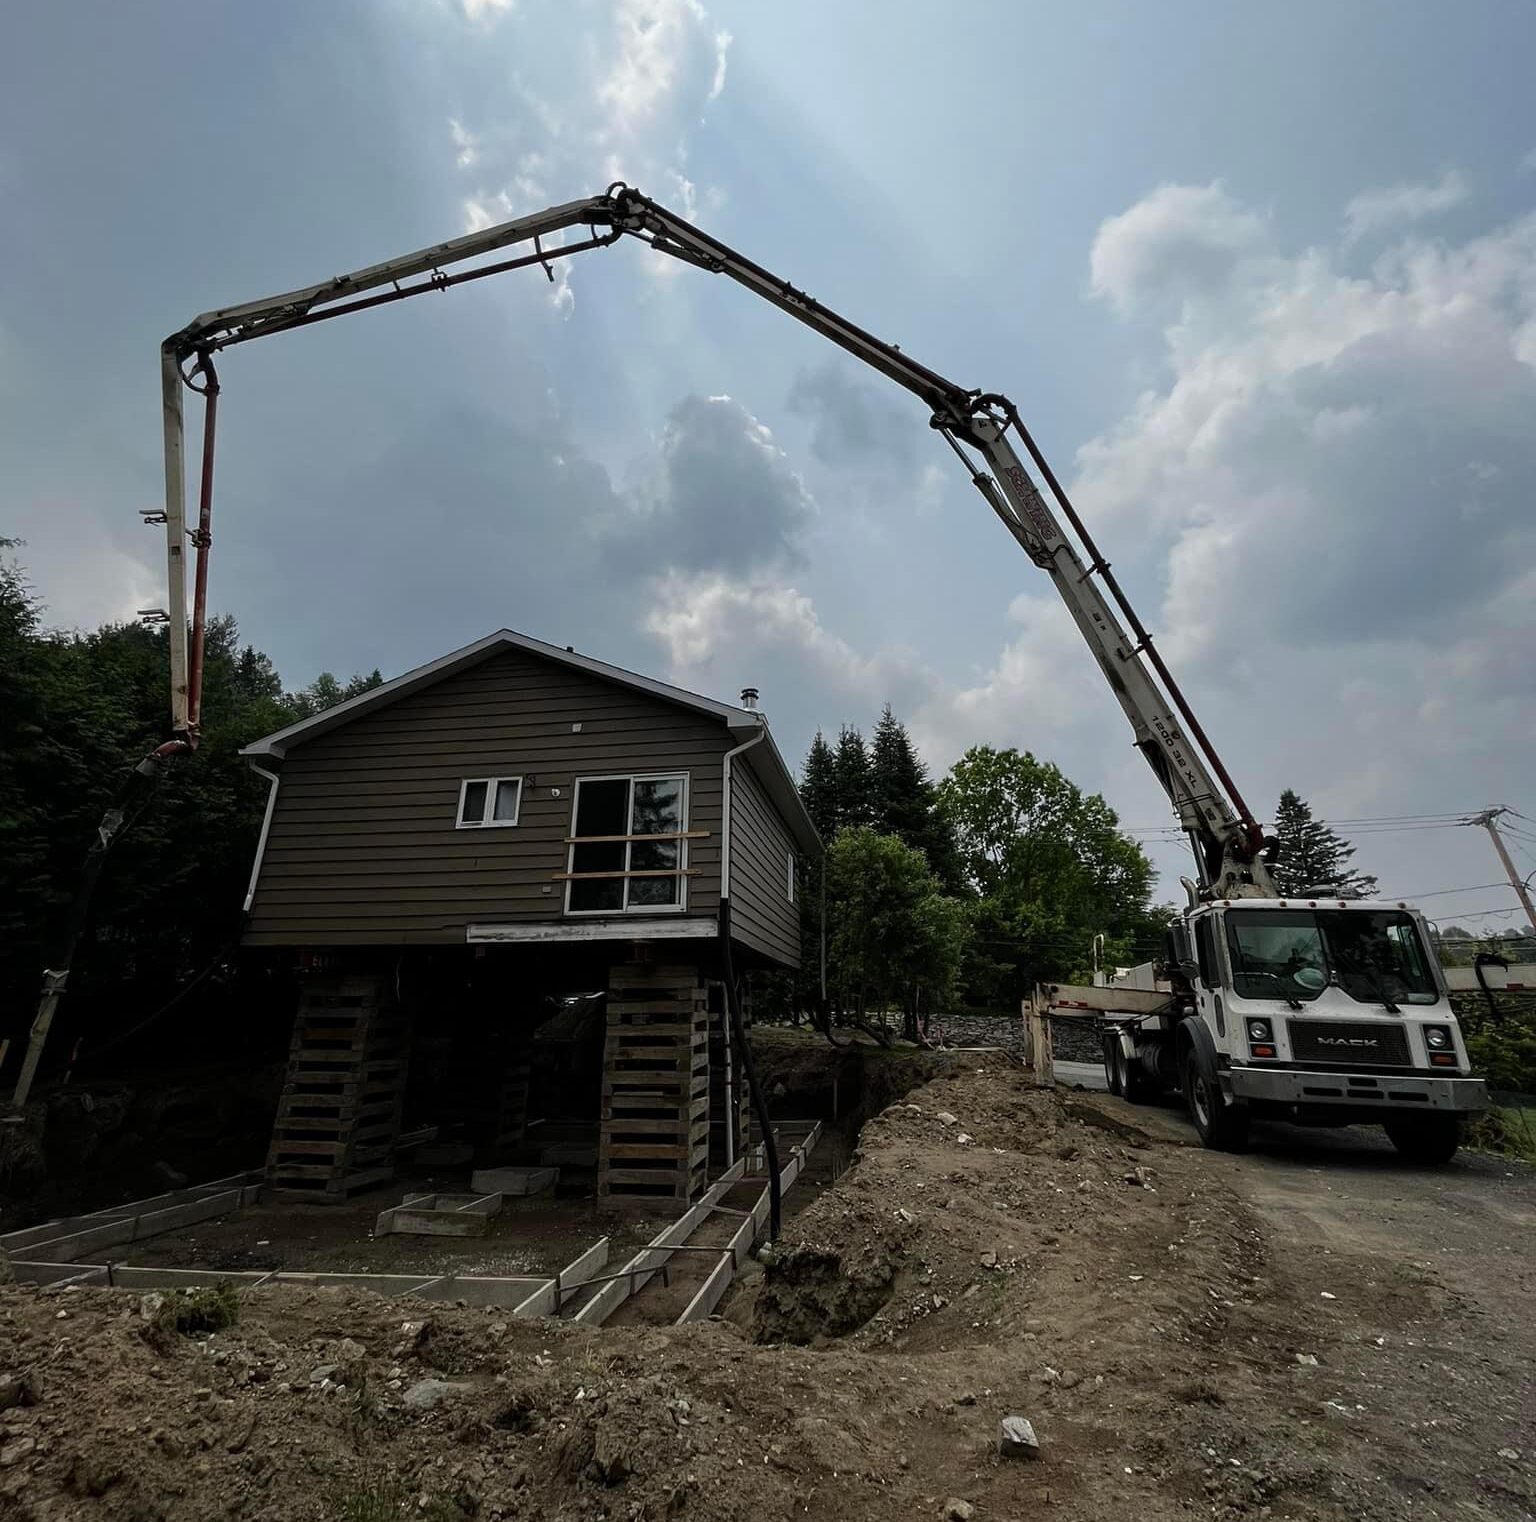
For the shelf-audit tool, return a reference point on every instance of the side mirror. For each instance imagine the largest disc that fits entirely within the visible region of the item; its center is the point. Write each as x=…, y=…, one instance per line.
x=1180, y=952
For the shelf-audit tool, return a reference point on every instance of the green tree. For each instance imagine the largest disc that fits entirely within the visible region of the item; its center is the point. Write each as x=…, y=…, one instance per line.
x=1312, y=857
x=1051, y=869
x=326, y=692
x=904, y=803
x=851, y=774
x=77, y=712
x=818, y=786
x=894, y=939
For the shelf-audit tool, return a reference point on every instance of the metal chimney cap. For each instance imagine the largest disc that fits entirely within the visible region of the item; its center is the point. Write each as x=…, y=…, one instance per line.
x=749, y=697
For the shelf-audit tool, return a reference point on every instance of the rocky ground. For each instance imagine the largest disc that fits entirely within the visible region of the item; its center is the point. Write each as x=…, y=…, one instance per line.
x=1304, y=1332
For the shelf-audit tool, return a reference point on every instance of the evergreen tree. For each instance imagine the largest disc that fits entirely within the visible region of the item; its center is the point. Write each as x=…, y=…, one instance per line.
x=326, y=692
x=1313, y=858
x=818, y=787
x=905, y=803
x=899, y=795
x=851, y=774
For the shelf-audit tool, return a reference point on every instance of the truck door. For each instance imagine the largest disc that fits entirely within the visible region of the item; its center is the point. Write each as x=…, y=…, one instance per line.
x=1208, y=992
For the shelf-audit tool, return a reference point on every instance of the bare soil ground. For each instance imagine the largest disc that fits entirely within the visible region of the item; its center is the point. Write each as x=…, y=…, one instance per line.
x=535, y=1235
x=1301, y=1333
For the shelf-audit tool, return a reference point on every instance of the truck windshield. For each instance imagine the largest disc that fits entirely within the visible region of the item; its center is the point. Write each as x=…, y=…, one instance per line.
x=1375, y=956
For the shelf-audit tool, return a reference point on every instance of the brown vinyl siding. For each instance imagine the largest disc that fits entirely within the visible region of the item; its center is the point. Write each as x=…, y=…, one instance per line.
x=363, y=847
x=762, y=916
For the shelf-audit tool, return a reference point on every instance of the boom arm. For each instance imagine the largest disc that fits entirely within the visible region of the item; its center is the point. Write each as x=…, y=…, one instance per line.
x=1210, y=809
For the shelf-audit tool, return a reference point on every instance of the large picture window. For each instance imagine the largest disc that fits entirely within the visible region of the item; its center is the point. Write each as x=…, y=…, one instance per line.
x=628, y=845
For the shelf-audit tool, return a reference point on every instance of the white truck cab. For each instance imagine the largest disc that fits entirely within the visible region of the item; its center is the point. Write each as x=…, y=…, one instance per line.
x=1317, y=1011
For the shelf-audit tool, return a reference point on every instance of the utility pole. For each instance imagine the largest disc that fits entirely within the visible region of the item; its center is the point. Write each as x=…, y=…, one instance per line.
x=1486, y=819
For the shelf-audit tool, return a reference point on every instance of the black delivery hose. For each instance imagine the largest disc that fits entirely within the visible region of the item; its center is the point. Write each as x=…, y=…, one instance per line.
x=759, y=1100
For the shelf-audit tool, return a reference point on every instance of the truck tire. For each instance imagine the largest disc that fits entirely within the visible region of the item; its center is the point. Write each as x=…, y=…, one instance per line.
x=1425, y=1138
x=1133, y=1081
x=1223, y=1127
x=1112, y=1064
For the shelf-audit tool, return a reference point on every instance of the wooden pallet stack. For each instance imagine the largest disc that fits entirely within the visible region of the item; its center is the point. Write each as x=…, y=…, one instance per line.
x=339, y=1116
x=719, y=1018
x=654, y=1137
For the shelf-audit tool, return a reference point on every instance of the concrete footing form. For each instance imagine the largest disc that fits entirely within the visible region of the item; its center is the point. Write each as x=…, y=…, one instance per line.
x=76, y=1251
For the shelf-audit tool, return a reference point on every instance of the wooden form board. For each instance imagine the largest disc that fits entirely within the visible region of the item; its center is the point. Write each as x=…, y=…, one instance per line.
x=647, y=1263
x=553, y=1293
x=652, y=1258
x=439, y=1215
x=476, y=1289
x=64, y=1241
x=1037, y=1050
x=747, y=1235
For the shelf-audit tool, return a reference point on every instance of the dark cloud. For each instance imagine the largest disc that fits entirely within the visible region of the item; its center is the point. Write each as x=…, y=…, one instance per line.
x=721, y=497
x=854, y=420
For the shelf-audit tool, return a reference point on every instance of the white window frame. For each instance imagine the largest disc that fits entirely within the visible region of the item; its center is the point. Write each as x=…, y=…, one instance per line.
x=491, y=785
x=681, y=906
x=790, y=884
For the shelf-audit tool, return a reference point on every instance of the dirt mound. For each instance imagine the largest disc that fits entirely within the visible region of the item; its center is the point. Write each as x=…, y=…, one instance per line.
x=993, y=1251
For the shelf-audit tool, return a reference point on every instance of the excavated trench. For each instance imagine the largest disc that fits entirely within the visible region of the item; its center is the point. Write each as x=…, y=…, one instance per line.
x=806, y=1292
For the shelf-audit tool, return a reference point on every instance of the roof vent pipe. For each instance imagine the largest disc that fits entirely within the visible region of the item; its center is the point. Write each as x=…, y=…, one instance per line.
x=749, y=698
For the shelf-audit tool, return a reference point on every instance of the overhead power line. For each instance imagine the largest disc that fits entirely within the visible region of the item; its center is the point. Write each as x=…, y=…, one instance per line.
x=1442, y=892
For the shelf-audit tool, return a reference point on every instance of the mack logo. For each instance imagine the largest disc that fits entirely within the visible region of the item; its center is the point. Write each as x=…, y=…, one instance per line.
x=1346, y=1041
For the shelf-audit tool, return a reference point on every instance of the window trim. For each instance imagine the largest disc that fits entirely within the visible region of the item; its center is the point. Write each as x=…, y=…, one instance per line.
x=791, y=884
x=680, y=836
x=491, y=785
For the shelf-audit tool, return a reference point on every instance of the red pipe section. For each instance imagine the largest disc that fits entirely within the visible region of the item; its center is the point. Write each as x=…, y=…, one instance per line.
x=202, y=539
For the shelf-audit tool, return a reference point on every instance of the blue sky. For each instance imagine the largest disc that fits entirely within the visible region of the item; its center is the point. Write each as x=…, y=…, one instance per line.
x=1262, y=281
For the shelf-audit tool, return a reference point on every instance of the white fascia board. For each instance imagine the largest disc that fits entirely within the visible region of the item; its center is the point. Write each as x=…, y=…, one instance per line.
x=619, y=927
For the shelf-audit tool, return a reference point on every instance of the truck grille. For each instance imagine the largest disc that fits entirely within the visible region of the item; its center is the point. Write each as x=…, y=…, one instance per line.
x=1378, y=1045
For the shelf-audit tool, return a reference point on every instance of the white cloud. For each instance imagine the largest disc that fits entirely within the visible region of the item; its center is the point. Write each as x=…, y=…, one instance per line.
x=1330, y=492
x=719, y=629
x=68, y=552
x=659, y=43
x=481, y=214
x=1392, y=206
x=464, y=141
x=1334, y=483
x=486, y=10
x=721, y=632
x=1174, y=241
x=631, y=104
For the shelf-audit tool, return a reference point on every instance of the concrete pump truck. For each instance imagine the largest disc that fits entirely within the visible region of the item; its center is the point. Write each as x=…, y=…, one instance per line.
x=1311, y=1008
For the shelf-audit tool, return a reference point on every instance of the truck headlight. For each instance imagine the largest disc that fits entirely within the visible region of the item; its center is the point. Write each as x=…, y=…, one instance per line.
x=1259, y=1030
x=1437, y=1038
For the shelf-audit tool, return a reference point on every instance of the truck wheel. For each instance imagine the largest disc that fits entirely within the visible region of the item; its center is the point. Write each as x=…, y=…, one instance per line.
x=1112, y=1065
x=1133, y=1080
x=1223, y=1127
x=1425, y=1138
